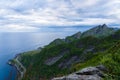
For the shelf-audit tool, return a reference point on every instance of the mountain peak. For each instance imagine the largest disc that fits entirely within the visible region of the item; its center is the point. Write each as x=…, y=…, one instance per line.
x=100, y=27
x=104, y=25
x=100, y=30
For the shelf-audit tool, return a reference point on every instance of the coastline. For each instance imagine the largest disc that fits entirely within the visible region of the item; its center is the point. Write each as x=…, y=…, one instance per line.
x=18, y=65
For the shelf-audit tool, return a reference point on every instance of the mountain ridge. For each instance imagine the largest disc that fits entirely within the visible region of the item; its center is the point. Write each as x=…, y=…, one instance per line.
x=55, y=60
x=98, y=31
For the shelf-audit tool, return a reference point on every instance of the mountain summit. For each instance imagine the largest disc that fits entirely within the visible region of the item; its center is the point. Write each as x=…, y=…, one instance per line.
x=99, y=31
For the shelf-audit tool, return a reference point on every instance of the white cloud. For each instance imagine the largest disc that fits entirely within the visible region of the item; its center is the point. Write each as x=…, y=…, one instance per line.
x=29, y=15
x=18, y=28
x=84, y=3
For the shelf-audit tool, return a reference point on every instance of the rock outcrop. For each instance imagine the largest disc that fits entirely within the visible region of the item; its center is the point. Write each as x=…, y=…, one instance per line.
x=89, y=73
x=54, y=59
x=68, y=62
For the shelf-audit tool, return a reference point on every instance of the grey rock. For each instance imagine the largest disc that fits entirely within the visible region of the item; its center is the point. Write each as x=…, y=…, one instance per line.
x=101, y=67
x=68, y=62
x=53, y=60
x=79, y=77
x=60, y=78
x=89, y=73
x=83, y=77
x=89, y=49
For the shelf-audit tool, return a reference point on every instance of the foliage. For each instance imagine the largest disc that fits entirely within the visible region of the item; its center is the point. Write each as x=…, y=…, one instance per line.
x=105, y=51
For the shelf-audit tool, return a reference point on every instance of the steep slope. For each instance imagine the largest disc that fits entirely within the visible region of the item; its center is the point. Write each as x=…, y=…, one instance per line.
x=65, y=58
x=110, y=71
x=109, y=58
x=73, y=37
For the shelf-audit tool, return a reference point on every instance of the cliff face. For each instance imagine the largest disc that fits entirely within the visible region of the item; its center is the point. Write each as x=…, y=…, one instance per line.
x=81, y=50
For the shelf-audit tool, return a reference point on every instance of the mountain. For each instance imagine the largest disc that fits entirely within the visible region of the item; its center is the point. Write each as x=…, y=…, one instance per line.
x=82, y=50
x=66, y=40
x=98, y=31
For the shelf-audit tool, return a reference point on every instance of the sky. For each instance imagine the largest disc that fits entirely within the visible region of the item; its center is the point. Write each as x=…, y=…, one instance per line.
x=34, y=15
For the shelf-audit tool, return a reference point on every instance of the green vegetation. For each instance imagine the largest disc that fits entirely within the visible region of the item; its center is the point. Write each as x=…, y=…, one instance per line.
x=88, y=51
x=110, y=58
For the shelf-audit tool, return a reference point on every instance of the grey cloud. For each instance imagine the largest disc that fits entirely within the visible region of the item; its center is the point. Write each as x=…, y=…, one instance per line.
x=41, y=13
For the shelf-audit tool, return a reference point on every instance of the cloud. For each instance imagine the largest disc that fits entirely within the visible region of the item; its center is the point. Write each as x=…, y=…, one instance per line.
x=32, y=15
x=18, y=28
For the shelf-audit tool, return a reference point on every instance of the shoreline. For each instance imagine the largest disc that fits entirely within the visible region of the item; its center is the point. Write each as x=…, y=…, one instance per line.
x=18, y=65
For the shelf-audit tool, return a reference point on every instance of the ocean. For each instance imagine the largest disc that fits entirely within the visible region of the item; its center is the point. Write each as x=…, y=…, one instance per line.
x=13, y=43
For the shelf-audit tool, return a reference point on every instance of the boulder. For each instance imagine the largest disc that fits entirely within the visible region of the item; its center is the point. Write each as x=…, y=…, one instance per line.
x=101, y=67
x=89, y=73
x=83, y=77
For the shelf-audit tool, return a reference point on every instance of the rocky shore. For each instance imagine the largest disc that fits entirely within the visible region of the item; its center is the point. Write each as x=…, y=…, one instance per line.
x=20, y=68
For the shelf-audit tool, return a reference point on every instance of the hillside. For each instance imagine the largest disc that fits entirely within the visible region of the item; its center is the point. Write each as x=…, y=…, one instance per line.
x=98, y=31
x=62, y=57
